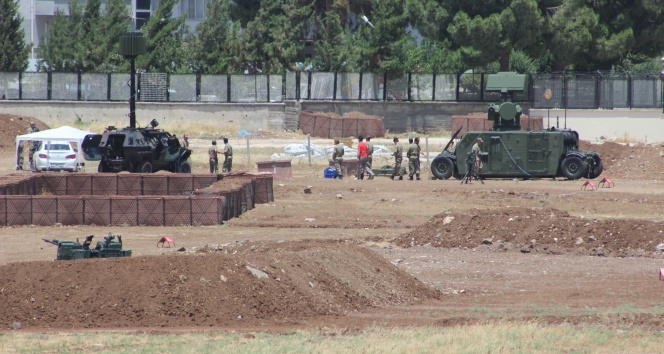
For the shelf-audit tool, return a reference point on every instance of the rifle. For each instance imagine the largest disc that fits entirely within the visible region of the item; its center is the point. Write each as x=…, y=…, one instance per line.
x=453, y=137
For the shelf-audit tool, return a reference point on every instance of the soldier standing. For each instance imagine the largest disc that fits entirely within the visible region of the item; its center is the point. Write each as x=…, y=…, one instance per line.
x=370, y=151
x=413, y=155
x=33, y=145
x=228, y=153
x=398, y=152
x=214, y=161
x=337, y=157
x=476, y=151
x=185, y=141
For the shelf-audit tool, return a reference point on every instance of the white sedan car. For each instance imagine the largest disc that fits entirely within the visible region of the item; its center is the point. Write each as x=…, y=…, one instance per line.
x=55, y=156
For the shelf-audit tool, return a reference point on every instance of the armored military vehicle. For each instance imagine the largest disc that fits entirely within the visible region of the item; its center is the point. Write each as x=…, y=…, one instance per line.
x=509, y=152
x=109, y=248
x=142, y=150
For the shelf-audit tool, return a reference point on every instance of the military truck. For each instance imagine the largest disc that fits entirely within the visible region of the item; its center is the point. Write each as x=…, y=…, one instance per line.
x=143, y=150
x=509, y=152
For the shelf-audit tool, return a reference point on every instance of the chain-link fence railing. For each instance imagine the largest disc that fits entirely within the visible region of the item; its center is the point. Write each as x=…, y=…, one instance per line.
x=605, y=90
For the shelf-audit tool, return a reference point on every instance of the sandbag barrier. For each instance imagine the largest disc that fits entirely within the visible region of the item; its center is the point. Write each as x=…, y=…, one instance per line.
x=128, y=199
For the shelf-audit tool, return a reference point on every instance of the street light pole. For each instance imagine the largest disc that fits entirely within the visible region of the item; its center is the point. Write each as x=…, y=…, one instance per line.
x=132, y=44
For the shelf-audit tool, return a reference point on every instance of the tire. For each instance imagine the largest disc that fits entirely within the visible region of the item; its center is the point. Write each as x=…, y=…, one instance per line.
x=573, y=167
x=144, y=167
x=442, y=167
x=102, y=167
x=185, y=167
x=597, y=171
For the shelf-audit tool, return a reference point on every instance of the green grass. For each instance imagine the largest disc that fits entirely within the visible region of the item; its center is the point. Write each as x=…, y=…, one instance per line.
x=526, y=337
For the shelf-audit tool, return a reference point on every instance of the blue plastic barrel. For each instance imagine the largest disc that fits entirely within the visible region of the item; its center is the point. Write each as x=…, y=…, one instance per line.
x=329, y=172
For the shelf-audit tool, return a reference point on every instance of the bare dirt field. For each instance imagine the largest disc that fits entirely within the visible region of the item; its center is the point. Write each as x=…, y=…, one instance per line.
x=358, y=253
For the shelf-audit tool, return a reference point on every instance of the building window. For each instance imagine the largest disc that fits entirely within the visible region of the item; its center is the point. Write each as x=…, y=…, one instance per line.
x=195, y=9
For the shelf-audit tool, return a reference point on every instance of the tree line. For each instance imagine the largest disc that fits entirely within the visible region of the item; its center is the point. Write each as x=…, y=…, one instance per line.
x=399, y=36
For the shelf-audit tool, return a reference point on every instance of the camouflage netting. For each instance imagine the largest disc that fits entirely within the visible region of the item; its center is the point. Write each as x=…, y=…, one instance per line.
x=332, y=125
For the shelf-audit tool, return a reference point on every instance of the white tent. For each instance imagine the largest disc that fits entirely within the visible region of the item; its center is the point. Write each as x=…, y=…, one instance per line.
x=58, y=134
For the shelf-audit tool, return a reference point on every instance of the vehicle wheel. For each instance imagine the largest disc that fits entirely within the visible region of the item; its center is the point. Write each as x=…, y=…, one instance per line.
x=102, y=167
x=573, y=167
x=185, y=167
x=144, y=167
x=442, y=167
x=597, y=171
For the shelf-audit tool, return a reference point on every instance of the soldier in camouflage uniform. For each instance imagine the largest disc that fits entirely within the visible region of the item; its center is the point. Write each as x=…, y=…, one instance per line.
x=370, y=151
x=214, y=160
x=413, y=155
x=338, y=157
x=33, y=145
x=228, y=153
x=398, y=156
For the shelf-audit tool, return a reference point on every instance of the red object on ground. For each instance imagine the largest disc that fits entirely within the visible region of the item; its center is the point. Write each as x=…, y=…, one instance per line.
x=166, y=240
x=607, y=182
x=589, y=183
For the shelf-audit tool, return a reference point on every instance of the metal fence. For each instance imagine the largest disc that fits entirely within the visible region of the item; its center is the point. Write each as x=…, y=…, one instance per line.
x=595, y=90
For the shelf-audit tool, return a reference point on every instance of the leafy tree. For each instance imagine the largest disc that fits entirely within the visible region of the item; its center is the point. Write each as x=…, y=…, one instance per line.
x=212, y=46
x=166, y=51
x=482, y=32
x=244, y=11
x=57, y=51
x=90, y=45
x=334, y=46
x=14, y=51
x=273, y=38
x=522, y=63
x=114, y=23
x=388, y=40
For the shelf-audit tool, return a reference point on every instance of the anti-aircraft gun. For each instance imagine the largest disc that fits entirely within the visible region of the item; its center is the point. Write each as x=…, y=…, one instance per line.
x=509, y=152
x=109, y=248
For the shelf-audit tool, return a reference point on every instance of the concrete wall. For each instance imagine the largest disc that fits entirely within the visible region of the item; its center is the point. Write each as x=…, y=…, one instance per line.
x=623, y=125
x=247, y=116
x=642, y=125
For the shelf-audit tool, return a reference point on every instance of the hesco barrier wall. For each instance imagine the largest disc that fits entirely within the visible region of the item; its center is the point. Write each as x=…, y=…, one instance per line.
x=129, y=199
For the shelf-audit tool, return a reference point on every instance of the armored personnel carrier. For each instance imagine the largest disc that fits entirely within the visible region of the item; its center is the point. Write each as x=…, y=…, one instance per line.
x=509, y=152
x=142, y=150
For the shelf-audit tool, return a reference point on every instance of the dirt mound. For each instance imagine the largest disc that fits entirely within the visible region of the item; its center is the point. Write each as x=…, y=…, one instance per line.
x=12, y=125
x=636, y=161
x=543, y=230
x=218, y=286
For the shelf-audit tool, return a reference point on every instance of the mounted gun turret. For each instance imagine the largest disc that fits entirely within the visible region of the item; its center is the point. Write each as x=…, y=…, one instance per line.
x=506, y=115
x=509, y=152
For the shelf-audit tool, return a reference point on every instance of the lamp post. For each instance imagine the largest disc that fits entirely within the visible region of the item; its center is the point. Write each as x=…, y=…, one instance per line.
x=132, y=44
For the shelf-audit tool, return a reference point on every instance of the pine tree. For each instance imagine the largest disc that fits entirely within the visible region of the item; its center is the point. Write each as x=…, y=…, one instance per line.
x=165, y=41
x=14, y=52
x=333, y=47
x=212, y=45
x=57, y=50
x=114, y=24
x=91, y=44
x=274, y=37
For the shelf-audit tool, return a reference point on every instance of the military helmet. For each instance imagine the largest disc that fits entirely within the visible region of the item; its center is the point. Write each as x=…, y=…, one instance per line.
x=214, y=142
